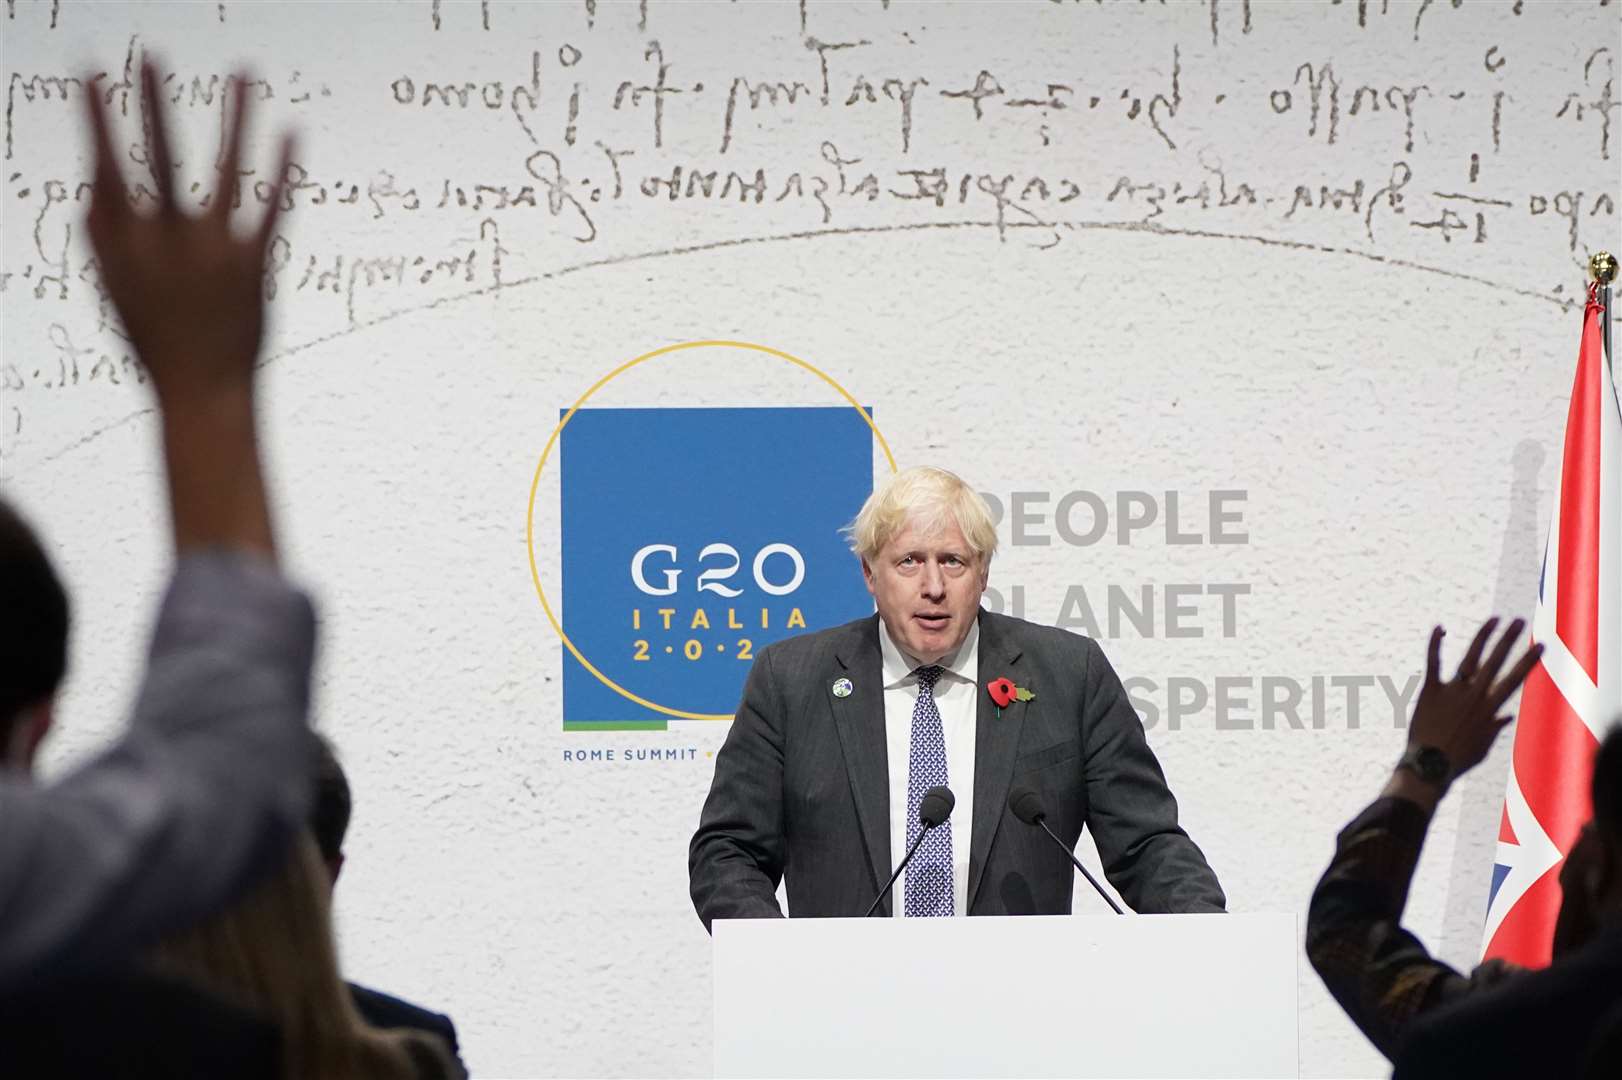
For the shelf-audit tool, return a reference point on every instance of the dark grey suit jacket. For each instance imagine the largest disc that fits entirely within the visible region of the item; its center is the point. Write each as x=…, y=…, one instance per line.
x=802, y=789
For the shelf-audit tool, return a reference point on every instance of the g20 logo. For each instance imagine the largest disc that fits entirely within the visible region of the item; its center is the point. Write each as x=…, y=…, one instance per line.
x=714, y=578
x=692, y=538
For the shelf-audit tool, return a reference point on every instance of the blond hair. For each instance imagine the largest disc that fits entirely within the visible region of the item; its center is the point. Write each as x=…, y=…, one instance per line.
x=273, y=954
x=927, y=498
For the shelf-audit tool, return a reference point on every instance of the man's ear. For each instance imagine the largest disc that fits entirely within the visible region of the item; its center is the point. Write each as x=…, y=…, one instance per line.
x=867, y=576
x=27, y=733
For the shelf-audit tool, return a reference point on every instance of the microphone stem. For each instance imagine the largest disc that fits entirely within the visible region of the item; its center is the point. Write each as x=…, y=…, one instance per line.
x=910, y=852
x=1043, y=821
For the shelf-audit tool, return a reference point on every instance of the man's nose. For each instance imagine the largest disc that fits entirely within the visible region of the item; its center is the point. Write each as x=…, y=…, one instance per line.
x=934, y=581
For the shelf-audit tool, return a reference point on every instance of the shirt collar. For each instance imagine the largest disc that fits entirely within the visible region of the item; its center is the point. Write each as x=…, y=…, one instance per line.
x=899, y=666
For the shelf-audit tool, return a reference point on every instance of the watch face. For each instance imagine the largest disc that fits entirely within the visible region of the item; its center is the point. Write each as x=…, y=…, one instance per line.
x=1433, y=764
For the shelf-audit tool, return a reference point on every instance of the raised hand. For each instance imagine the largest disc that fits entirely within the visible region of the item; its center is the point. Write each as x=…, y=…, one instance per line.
x=188, y=289
x=1459, y=716
x=190, y=293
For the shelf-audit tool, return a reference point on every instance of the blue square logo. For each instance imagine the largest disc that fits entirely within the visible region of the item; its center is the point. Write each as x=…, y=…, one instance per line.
x=692, y=539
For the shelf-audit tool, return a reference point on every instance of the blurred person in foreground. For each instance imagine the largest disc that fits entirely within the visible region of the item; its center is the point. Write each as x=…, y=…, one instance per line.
x=1378, y=971
x=212, y=778
x=329, y=822
x=1563, y=1020
x=272, y=953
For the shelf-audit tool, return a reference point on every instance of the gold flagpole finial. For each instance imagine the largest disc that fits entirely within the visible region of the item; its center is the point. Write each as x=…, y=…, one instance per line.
x=1602, y=266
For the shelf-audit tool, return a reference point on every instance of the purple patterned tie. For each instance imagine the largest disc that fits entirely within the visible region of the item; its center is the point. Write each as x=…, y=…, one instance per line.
x=929, y=875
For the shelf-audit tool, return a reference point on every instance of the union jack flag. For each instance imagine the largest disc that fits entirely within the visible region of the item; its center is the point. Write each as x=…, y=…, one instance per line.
x=1575, y=691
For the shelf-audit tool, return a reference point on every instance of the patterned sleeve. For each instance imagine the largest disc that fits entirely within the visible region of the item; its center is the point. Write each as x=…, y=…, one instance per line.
x=1381, y=974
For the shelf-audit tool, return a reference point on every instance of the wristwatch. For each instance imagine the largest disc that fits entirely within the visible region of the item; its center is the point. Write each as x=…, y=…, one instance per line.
x=1429, y=763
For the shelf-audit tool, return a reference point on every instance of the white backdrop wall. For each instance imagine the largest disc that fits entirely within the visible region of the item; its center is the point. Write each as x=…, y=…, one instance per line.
x=1311, y=264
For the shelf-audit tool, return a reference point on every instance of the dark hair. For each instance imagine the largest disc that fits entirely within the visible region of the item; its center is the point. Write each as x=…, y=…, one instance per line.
x=1607, y=788
x=329, y=817
x=33, y=620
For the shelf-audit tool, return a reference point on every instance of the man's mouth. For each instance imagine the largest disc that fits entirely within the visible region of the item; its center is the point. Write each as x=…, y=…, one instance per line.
x=933, y=621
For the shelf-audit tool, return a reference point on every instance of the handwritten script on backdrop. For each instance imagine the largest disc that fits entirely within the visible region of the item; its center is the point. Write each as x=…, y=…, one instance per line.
x=1473, y=140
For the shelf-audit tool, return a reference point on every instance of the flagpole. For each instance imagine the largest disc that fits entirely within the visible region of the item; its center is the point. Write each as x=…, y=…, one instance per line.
x=1602, y=268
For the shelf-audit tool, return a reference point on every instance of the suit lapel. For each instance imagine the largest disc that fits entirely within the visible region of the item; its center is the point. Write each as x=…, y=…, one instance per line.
x=859, y=719
x=996, y=738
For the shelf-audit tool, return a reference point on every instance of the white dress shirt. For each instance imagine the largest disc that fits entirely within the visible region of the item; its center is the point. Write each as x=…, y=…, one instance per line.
x=954, y=697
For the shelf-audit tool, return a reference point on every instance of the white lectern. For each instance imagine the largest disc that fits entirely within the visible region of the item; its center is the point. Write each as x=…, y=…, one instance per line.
x=1043, y=996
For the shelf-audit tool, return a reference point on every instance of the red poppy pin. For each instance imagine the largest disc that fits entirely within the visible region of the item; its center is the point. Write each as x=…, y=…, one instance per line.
x=1004, y=693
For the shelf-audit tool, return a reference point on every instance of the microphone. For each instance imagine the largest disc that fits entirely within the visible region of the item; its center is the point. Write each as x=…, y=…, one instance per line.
x=1027, y=806
x=934, y=808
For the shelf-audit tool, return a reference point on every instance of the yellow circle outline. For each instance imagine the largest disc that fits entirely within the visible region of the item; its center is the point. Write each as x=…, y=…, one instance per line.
x=529, y=531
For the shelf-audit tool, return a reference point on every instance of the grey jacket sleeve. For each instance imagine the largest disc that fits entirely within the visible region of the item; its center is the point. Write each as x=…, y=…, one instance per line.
x=1131, y=813
x=736, y=857
x=204, y=789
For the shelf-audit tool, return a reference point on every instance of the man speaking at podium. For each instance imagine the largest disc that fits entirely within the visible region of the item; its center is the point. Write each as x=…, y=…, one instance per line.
x=841, y=733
